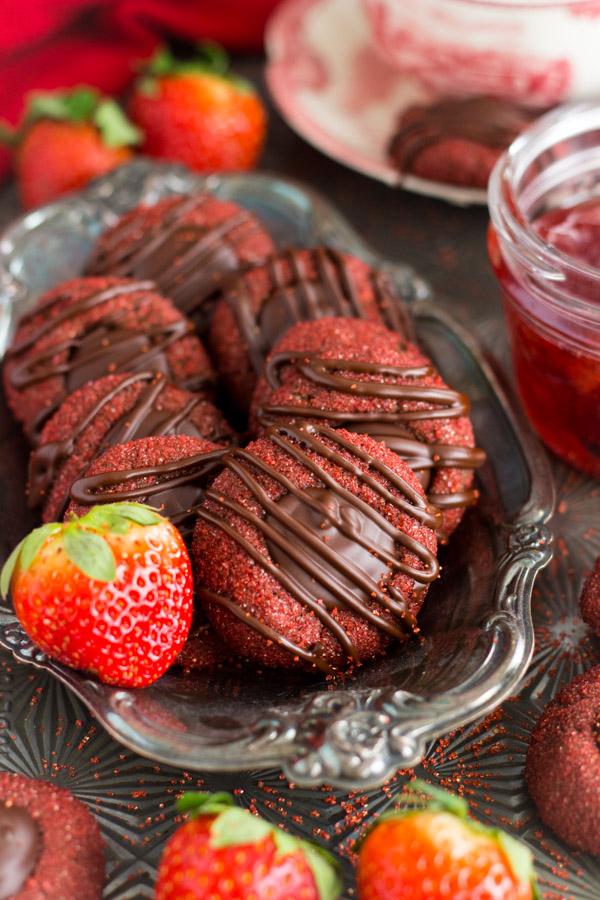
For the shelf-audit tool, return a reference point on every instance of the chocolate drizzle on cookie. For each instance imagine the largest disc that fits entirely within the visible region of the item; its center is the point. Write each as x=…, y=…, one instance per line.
x=186, y=260
x=298, y=295
x=177, y=487
x=483, y=120
x=103, y=347
x=143, y=419
x=442, y=403
x=327, y=533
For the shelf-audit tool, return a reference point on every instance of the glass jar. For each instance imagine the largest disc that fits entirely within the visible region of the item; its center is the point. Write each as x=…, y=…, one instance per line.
x=552, y=299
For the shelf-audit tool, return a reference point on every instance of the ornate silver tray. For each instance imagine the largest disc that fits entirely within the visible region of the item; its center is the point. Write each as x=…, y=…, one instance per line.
x=476, y=623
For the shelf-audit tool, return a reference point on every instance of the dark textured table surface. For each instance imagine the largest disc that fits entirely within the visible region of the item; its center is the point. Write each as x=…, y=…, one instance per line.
x=133, y=798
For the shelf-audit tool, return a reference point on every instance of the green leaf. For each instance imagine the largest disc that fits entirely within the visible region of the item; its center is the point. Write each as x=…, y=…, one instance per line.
x=441, y=799
x=77, y=105
x=141, y=515
x=8, y=568
x=210, y=59
x=518, y=855
x=104, y=519
x=201, y=803
x=115, y=127
x=90, y=553
x=326, y=871
x=34, y=541
x=213, y=57
x=9, y=136
x=26, y=551
x=117, y=517
x=238, y=826
x=162, y=63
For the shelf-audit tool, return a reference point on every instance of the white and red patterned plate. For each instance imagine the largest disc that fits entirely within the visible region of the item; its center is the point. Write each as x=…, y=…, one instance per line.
x=332, y=87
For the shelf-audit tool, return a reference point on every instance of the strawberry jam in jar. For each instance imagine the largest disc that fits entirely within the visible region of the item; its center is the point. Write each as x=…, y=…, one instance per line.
x=544, y=245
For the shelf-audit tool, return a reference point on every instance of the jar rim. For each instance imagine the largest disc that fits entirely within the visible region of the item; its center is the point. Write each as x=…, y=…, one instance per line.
x=508, y=218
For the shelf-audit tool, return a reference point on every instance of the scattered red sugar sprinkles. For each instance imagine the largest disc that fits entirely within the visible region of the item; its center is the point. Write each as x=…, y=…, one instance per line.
x=68, y=861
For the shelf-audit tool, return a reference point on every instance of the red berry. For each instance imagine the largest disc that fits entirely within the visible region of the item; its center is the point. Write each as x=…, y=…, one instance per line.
x=67, y=138
x=110, y=593
x=198, y=114
x=438, y=853
x=227, y=853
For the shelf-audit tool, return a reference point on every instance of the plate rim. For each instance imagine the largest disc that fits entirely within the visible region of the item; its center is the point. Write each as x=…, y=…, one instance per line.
x=300, y=122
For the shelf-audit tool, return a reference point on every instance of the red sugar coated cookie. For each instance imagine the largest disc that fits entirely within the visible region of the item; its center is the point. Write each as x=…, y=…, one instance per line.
x=187, y=245
x=457, y=141
x=90, y=327
x=314, y=548
x=109, y=411
x=168, y=472
x=589, y=600
x=563, y=763
x=51, y=843
x=203, y=649
x=258, y=308
x=377, y=384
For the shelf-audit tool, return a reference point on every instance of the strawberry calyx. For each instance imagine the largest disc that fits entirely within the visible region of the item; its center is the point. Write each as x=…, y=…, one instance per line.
x=231, y=825
x=210, y=59
x=82, y=104
x=84, y=540
x=438, y=800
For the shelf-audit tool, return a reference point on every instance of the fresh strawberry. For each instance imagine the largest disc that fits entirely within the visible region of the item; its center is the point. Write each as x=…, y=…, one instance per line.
x=110, y=593
x=66, y=138
x=437, y=852
x=198, y=113
x=227, y=853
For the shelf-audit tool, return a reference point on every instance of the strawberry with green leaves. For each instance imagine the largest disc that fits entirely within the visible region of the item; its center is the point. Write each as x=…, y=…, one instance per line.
x=225, y=852
x=66, y=138
x=109, y=593
x=198, y=112
x=437, y=853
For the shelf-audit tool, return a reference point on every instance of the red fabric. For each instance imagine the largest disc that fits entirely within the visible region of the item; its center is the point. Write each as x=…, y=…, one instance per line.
x=46, y=44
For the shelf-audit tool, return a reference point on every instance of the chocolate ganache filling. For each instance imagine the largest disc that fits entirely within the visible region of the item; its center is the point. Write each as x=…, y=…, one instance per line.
x=302, y=297
x=176, y=488
x=186, y=260
x=327, y=547
x=388, y=427
x=143, y=419
x=104, y=347
x=20, y=844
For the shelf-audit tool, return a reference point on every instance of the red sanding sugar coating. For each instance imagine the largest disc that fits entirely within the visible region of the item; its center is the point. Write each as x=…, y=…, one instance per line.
x=188, y=245
x=371, y=360
x=169, y=472
x=66, y=857
x=113, y=410
x=203, y=649
x=589, y=600
x=258, y=308
x=563, y=763
x=558, y=372
x=90, y=327
x=314, y=548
